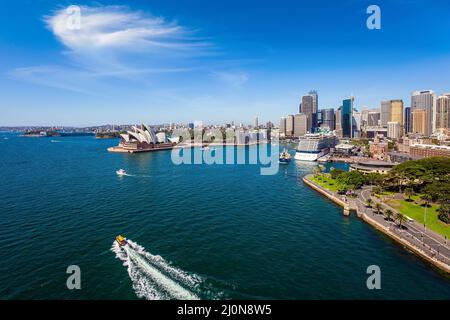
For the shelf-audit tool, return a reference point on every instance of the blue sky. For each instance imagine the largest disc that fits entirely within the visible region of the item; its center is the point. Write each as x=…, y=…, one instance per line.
x=176, y=61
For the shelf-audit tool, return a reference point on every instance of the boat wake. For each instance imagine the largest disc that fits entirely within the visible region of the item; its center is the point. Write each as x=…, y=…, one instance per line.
x=154, y=278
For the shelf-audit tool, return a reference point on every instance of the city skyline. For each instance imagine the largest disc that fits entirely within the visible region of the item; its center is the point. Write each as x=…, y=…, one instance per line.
x=202, y=66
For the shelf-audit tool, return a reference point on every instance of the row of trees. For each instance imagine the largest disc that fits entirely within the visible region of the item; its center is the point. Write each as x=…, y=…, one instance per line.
x=399, y=217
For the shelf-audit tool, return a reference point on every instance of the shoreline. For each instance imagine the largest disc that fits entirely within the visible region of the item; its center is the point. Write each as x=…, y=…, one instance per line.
x=406, y=244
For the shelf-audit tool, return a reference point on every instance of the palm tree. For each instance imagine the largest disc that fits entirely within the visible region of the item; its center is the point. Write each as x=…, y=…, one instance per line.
x=369, y=202
x=388, y=213
x=426, y=198
x=378, y=190
x=378, y=207
x=316, y=172
x=401, y=218
x=409, y=192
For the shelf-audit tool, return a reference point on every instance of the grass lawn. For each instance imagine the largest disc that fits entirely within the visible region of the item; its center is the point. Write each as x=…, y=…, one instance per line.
x=325, y=181
x=416, y=212
x=385, y=193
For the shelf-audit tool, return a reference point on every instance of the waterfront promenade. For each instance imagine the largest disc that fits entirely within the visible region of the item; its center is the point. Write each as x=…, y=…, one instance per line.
x=425, y=243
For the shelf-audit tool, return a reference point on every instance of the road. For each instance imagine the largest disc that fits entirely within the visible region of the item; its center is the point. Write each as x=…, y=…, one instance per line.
x=427, y=240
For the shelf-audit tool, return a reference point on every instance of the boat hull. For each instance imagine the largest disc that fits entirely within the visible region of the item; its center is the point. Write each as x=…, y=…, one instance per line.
x=308, y=156
x=284, y=161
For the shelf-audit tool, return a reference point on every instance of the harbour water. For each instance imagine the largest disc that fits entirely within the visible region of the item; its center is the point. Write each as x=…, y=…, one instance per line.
x=199, y=231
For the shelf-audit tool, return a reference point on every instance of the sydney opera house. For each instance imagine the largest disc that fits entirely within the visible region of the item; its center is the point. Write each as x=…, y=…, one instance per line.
x=142, y=139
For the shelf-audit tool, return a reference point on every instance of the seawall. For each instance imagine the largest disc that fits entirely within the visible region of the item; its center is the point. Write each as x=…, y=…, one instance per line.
x=414, y=249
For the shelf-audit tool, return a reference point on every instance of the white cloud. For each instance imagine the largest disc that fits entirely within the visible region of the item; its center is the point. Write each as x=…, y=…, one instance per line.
x=117, y=27
x=113, y=42
x=234, y=79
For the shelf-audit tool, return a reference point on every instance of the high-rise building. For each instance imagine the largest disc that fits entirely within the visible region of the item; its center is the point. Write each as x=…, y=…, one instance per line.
x=443, y=112
x=394, y=130
x=327, y=120
x=306, y=106
x=425, y=100
x=256, y=124
x=373, y=118
x=364, y=117
x=385, y=115
x=347, y=118
x=283, y=127
x=338, y=121
x=319, y=119
x=391, y=111
x=356, y=122
x=420, y=121
x=289, y=125
x=309, y=106
x=300, y=124
x=397, y=112
x=408, y=120
x=315, y=96
x=308, y=109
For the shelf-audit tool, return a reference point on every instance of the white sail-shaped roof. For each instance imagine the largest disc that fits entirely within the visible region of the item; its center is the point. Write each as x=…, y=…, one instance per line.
x=135, y=135
x=143, y=135
x=146, y=134
x=151, y=133
x=161, y=136
x=125, y=137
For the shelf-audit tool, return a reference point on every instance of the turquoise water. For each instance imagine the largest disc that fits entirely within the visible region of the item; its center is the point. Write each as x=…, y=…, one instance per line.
x=222, y=231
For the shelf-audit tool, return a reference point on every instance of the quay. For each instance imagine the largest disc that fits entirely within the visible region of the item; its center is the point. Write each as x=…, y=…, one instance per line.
x=120, y=149
x=423, y=243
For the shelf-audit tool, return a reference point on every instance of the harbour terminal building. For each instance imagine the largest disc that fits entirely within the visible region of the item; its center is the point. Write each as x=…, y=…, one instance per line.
x=142, y=139
x=372, y=166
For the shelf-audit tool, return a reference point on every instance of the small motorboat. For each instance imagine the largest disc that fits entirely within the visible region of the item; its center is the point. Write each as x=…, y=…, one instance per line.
x=121, y=240
x=285, y=157
x=121, y=172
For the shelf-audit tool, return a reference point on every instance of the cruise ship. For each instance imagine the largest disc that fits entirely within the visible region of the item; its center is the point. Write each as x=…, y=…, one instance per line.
x=313, y=146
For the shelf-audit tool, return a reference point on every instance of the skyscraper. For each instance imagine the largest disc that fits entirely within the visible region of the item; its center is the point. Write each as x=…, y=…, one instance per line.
x=364, y=117
x=373, y=118
x=300, y=124
x=328, y=118
x=283, y=126
x=347, y=118
x=443, y=112
x=420, y=121
x=315, y=96
x=338, y=121
x=408, y=120
x=356, y=123
x=425, y=100
x=385, y=115
x=397, y=111
x=290, y=126
x=391, y=111
x=394, y=130
x=309, y=106
x=256, y=124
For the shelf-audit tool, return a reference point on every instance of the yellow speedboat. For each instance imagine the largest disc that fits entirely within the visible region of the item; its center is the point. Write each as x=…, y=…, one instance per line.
x=121, y=240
